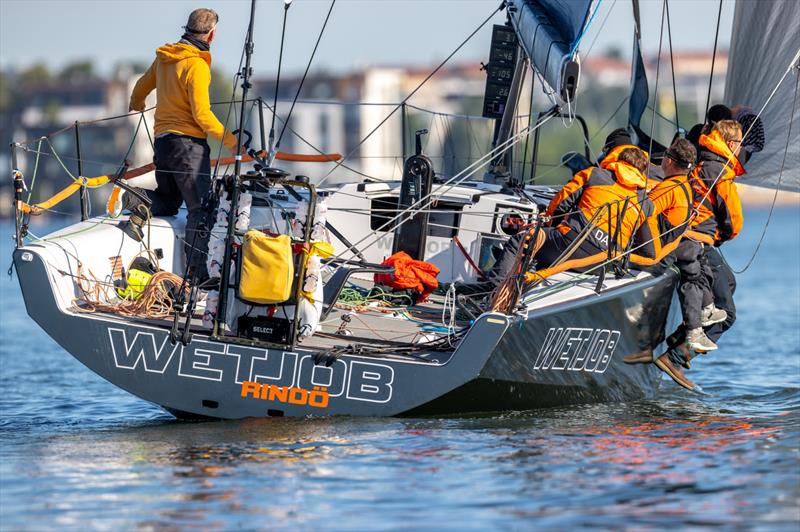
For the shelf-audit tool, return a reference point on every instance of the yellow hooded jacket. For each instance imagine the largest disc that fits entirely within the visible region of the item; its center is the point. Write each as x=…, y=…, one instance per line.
x=181, y=75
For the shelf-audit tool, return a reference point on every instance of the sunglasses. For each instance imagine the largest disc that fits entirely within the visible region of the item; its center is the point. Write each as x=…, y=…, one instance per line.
x=677, y=159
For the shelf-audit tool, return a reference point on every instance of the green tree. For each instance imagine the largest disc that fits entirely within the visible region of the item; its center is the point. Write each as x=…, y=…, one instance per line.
x=6, y=97
x=34, y=75
x=77, y=72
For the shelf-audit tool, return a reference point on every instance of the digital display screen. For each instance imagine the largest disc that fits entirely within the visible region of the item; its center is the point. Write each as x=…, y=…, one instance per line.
x=496, y=91
x=503, y=34
x=503, y=54
x=499, y=71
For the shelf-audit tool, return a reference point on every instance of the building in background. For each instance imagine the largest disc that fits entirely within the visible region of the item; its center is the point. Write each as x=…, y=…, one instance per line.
x=333, y=114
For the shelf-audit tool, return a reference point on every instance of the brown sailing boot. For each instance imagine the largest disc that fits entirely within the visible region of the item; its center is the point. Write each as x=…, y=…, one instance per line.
x=676, y=373
x=640, y=357
x=686, y=355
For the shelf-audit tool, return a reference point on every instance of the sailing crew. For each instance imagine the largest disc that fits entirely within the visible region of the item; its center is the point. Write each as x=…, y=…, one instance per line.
x=658, y=238
x=616, y=141
x=714, y=114
x=719, y=219
x=181, y=75
x=617, y=185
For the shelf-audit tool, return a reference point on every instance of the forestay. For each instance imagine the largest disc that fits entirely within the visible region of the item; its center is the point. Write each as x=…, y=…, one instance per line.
x=764, y=42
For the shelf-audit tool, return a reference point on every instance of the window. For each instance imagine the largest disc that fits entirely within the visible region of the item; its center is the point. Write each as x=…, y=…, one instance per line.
x=381, y=211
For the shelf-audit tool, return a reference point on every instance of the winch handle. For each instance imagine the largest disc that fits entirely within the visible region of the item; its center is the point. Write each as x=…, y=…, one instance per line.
x=246, y=143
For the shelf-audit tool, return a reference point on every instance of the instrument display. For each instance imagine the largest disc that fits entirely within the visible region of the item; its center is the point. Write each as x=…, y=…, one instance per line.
x=499, y=71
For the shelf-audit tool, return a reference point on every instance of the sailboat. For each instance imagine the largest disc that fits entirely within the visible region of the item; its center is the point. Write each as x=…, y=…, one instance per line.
x=336, y=342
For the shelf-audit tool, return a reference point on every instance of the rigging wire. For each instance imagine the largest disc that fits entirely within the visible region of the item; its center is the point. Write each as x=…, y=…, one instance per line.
x=444, y=188
x=585, y=28
x=599, y=31
x=713, y=60
x=278, y=79
x=655, y=94
x=412, y=93
x=792, y=65
x=672, y=66
x=303, y=79
x=777, y=185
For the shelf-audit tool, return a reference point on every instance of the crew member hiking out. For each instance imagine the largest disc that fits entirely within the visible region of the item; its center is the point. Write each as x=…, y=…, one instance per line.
x=718, y=219
x=656, y=241
x=672, y=199
x=181, y=75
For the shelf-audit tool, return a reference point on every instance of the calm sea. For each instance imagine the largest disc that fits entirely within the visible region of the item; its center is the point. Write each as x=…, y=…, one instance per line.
x=76, y=452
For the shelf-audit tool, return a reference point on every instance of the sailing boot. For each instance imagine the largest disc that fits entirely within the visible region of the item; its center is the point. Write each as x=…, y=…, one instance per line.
x=640, y=357
x=140, y=215
x=711, y=315
x=696, y=340
x=675, y=373
x=684, y=356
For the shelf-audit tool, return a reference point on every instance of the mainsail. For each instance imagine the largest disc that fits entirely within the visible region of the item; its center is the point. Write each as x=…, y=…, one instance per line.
x=764, y=43
x=548, y=32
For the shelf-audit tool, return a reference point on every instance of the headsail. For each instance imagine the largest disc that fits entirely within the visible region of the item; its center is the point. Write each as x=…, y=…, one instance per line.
x=548, y=31
x=764, y=42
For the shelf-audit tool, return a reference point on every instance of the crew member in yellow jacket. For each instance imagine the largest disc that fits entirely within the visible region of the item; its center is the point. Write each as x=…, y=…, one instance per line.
x=181, y=75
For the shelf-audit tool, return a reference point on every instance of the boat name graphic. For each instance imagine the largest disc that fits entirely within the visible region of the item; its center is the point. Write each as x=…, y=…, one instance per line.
x=577, y=349
x=151, y=352
x=317, y=398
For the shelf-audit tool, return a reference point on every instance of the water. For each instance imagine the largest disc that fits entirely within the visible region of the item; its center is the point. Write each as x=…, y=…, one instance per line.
x=78, y=452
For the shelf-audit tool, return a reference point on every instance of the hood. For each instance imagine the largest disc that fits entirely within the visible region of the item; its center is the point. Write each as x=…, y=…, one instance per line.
x=627, y=175
x=613, y=155
x=172, y=53
x=714, y=143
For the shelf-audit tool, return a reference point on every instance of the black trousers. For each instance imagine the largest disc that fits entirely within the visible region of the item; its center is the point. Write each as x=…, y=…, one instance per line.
x=183, y=174
x=694, y=291
x=723, y=286
x=557, y=242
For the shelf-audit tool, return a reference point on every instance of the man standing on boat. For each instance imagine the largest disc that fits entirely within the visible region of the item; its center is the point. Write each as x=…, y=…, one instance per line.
x=181, y=76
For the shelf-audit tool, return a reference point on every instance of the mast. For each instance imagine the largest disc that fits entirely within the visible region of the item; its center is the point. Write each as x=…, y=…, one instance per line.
x=219, y=321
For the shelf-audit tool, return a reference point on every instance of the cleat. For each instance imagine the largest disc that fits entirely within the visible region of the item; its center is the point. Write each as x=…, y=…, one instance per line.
x=712, y=315
x=696, y=340
x=642, y=357
x=676, y=373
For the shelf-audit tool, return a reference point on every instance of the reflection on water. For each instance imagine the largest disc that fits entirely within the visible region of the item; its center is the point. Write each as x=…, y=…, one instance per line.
x=635, y=464
x=77, y=452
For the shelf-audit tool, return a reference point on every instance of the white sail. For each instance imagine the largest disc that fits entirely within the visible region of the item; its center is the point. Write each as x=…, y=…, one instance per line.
x=764, y=43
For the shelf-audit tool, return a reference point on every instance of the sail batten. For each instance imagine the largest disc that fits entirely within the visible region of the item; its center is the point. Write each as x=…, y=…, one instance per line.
x=765, y=42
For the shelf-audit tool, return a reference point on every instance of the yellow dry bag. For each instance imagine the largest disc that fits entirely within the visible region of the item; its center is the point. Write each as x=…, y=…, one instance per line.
x=267, y=268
